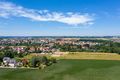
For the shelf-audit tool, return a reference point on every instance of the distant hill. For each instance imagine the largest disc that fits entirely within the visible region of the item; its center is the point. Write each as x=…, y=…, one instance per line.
x=59, y=36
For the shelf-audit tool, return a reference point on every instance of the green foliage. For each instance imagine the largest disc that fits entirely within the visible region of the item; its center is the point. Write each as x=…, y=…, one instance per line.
x=53, y=60
x=1, y=56
x=10, y=54
x=104, y=46
x=110, y=47
x=68, y=47
x=40, y=61
x=94, y=40
x=37, y=61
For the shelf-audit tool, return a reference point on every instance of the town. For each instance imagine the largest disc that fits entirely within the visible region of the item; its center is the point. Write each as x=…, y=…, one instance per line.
x=14, y=50
x=42, y=45
x=11, y=48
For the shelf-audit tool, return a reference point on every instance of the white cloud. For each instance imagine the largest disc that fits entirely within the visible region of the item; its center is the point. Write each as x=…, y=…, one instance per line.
x=8, y=9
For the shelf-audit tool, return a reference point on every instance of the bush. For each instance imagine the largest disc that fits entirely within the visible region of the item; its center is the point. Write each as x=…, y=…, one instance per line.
x=37, y=61
x=53, y=60
x=42, y=66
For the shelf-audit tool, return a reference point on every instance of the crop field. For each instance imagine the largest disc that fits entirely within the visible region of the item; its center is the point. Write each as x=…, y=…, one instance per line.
x=91, y=55
x=68, y=69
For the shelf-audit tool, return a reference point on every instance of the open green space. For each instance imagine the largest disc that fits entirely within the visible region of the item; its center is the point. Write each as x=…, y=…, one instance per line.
x=69, y=69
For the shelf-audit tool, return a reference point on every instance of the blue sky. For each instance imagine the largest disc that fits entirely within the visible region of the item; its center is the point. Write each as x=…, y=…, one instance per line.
x=59, y=17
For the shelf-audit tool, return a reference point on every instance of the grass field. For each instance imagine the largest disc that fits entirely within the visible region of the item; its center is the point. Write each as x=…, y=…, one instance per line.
x=68, y=69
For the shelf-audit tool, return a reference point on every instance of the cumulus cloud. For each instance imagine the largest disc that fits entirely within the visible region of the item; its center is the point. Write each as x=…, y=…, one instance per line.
x=8, y=9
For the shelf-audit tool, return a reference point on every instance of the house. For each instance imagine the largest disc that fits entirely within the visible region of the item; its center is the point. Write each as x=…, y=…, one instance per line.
x=7, y=61
x=12, y=63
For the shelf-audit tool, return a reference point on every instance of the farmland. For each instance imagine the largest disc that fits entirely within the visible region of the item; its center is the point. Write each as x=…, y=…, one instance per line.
x=91, y=55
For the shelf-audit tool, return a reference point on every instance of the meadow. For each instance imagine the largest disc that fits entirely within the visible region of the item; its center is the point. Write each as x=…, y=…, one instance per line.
x=68, y=69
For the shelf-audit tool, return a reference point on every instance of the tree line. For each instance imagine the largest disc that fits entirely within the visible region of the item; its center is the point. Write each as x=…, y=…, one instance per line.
x=104, y=46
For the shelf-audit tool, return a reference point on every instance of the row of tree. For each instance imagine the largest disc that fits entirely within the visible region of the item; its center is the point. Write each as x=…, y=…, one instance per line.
x=37, y=62
x=104, y=46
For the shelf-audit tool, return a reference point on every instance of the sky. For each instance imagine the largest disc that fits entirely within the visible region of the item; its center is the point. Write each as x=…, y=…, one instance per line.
x=59, y=17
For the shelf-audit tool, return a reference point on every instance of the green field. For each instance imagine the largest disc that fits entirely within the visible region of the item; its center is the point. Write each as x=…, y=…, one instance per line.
x=68, y=70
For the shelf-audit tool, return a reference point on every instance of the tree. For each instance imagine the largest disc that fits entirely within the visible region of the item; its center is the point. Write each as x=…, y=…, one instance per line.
x=9, y=54
x=37, y=61
x=1, y=56
x=20, y=55
x=25, y=62
x=53, y=60
x=44, y=60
